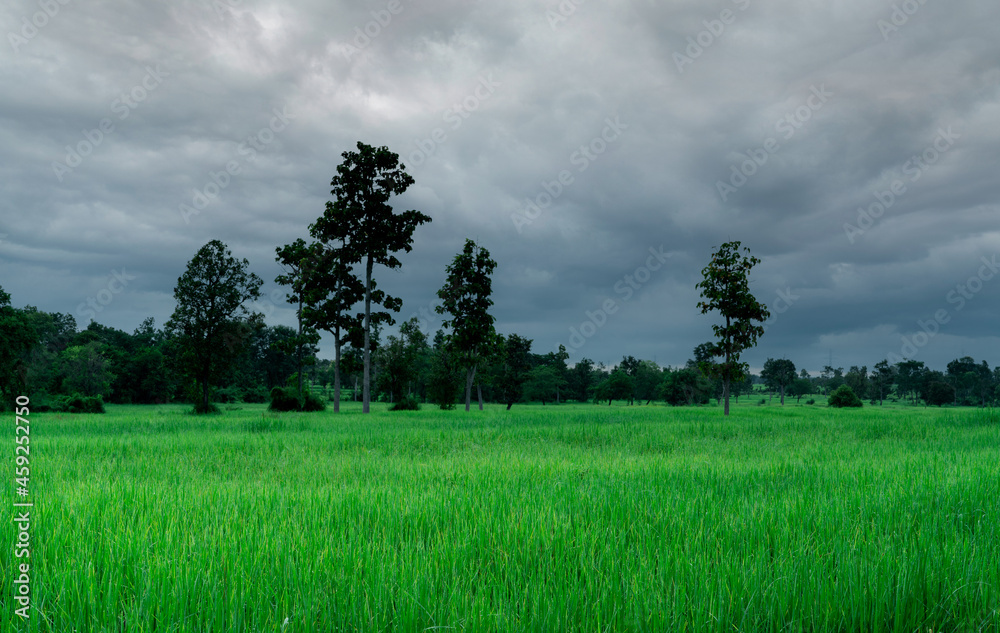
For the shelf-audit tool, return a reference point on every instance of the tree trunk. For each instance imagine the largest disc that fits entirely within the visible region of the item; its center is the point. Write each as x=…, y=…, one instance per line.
x=368, y=315
x=336, y=374
x=782, y=395
x=298, y=350
x=509, y=404
x=470, y=375
x=479, y=391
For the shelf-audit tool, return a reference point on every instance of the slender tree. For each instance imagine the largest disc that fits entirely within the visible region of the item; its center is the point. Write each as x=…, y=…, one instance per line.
x=725, y=288
x=465, y=298
x=211, y=321
x=371, y=233
x=296, y=258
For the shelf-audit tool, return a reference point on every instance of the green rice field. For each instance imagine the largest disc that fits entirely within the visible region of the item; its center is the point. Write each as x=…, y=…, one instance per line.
x=555, y=518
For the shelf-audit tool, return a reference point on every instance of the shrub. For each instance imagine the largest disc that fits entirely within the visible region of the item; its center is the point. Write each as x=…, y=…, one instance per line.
x=81, y=404
x=312, y=402
x=200, y=408
x=939, y=393
x=811, y=401
x=407, y=403
x=284, y=399
x=763, y=401
x=844, y=396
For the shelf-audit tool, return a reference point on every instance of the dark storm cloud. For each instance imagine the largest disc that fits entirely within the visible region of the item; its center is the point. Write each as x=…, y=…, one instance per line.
x=568, y=138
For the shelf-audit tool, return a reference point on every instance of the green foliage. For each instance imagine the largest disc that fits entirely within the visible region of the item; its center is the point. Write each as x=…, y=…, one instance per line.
x=465, y=299
x=844, y=396
x=617, y=386
x=514, y=354
x=685, y=386
x=938, y=393
x=725, y=288
x=542, y=384
x=312, y=403
x=445, y=374
x=778, y=374
x=362, y=221
x=406, y=403
x=284, y=399
x=210, y=320
x=17, y=338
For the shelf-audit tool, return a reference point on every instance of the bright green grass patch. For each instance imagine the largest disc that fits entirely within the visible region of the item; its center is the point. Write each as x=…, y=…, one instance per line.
x=555, y=518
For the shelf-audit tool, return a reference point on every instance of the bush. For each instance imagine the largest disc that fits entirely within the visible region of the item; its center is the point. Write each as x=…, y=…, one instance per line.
x=763, y=401
x=811, y=401
x=939, y=393
x=81, y=404
x=407, y=403
x=284, y=399
x=312, y=402
x=844, y=396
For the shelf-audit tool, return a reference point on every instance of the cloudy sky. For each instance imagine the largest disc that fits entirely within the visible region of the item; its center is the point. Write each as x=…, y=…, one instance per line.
x=599, y=150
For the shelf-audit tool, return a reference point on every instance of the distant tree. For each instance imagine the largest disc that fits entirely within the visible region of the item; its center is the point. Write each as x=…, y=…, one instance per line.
x=648, y=376
x=938, y=392
x=330, y=291
x=778, y=374
x=543, y=383
x=513, y=368
x=210, y=320
x=445, y=373
x=883, y=377
x=296, y=258
x=725, y=288
x=800, y=387
x=831, y=378
x=582, y=380
x=465, y=298
x=17, y=338
x=686, y=386
x=911, y=376
x=397, y=359
x=557, y=360
x=361, y=219
x=86, y=370
x=857, y=379
x=617, y=386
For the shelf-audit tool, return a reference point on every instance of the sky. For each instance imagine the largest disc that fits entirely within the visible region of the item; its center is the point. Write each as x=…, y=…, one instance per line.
x=600, y=151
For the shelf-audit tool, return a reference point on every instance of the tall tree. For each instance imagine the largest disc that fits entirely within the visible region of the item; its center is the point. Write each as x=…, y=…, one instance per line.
x=297, y=260
x=882, y=378
x=362, y=220
x=778, y=374
x=211, y=320
x=725, y=288
x=465, y=298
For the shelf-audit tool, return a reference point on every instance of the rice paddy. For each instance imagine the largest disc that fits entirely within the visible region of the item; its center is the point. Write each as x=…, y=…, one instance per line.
x=555, y=518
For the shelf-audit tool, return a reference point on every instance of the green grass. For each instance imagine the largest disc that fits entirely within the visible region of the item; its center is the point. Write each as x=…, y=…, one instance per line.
x=555, y=518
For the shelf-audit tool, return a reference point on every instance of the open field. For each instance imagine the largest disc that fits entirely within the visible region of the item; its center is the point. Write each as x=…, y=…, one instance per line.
x=555, y=518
